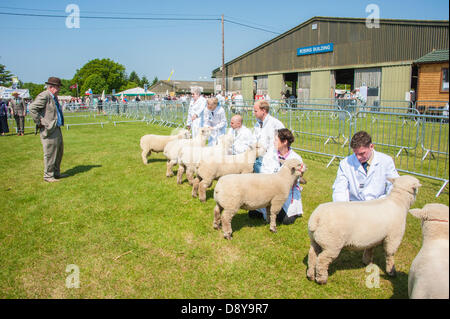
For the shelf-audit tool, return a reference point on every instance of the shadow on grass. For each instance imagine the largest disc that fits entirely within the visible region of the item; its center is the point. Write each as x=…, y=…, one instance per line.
x=241, y=220
x=154, y=160
x=80, y=169
x=349, y=259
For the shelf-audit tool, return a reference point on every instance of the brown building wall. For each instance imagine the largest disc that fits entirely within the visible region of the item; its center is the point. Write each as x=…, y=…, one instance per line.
x=429, y=82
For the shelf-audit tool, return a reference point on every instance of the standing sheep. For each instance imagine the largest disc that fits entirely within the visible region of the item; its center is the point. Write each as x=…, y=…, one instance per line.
x=190, y=156
x=172, y=149
x=428, y=275
x=253, y=191
x=156, y=143
x=211, y=169
x=359, y=225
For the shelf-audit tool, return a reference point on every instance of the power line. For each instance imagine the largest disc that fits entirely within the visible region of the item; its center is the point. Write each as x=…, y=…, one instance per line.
x=249, y=26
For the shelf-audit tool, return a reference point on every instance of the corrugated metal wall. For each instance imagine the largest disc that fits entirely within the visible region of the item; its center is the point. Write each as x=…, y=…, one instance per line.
x=320, y=85
x=395, y=82
x=354, y=44
x=275, y=86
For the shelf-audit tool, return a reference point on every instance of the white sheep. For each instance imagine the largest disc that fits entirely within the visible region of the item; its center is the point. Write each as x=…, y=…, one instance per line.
x=155, y=143
x=172, y=149
x=428, y=276
x=253, y=191
x=190, y=156
x=214, y=168
x=359, y=225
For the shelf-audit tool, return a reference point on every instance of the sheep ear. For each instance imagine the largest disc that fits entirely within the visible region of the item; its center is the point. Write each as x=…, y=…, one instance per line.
x=418, y=213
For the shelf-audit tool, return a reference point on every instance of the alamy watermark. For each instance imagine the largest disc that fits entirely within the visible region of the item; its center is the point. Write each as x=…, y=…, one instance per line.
x=373, y=279
x=73, y=19
x=373, y=19
x=73, y=280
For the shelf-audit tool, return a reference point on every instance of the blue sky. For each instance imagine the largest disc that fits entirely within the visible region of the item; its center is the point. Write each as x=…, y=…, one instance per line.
x=34, y=48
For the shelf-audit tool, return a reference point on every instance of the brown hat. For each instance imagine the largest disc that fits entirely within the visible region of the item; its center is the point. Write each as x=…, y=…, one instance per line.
x=54, y=81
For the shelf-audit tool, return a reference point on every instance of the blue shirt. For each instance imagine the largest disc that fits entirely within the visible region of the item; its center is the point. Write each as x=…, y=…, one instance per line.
x=60, y=121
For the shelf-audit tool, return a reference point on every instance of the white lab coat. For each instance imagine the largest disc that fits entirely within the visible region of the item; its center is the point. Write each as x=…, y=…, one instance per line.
x=216, y=119
x=242, y=138
x=354, y=184
x=266, y=135
x=196, y=107
x=293, y=204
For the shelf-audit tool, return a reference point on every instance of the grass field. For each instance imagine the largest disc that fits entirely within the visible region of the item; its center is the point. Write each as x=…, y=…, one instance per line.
x=133, y=233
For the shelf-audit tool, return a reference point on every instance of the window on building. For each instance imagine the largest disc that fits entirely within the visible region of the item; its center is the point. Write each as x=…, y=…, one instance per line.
x=444, y=80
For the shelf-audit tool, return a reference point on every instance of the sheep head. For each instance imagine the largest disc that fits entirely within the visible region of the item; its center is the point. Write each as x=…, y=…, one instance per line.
x=295, y=166
x=260, y=150
x=433, y=211
x=406, y=183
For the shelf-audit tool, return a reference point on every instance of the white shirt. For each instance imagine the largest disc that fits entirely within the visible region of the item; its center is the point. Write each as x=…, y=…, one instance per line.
x=221, y=99
x=196, y=107
x=239, y=100
x=242, y=138
x=216, y=119
x=354, y=184
x=266, y=135
x=293, y=204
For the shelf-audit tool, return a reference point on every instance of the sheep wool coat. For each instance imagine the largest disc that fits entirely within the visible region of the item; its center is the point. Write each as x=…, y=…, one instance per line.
x=293, y=204
x=198, y=108
x=354, y=184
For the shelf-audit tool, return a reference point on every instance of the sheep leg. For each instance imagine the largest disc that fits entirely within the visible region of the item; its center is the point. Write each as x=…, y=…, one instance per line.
x=324, y=260
x=195, y=187
x=274, y=210
x=217, y=220
x=390, y=248
x=170, y=164
x=368, y=256
x=145, y=153
x=227, y=215
x=181, y=169
x=190, y=174
x=204, y=184
x=314, y=251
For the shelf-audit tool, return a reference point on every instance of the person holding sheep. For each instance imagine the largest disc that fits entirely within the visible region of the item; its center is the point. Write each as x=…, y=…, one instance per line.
x=264, y=131
x=363, y=175
x=196, y=111
x=292, y=208
x=242, y=136
x=216, y=119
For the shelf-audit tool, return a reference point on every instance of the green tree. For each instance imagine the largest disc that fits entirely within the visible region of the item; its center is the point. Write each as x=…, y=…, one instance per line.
x=144, y=81
x=96, y=83
x=134, y=78
x=155, y=80
x=65, y=88
x=33, y=88
x=129, y=85
x=112, y=73
x=5, y=76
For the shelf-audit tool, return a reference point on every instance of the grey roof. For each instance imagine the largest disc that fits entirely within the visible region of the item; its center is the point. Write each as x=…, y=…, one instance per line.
x=434, y=56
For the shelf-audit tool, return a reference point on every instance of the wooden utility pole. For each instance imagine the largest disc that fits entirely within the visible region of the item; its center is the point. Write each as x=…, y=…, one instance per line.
x=223, y=63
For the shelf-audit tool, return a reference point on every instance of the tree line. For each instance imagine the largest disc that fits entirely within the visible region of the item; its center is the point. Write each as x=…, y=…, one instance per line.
x=98, y=75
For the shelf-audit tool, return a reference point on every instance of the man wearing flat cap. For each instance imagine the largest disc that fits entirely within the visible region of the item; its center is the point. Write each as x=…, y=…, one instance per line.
x=19, y=109
x=48, y=116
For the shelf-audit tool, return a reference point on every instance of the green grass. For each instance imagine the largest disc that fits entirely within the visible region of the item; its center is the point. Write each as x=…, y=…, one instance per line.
x=134, y=233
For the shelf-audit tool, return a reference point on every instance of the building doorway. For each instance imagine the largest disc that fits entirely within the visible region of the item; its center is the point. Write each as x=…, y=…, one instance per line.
x=290, y=84
x=345, y=79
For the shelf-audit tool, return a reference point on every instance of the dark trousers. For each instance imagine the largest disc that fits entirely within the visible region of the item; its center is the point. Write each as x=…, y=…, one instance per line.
x=4, y=128
x=20, y=122
x=282, y=218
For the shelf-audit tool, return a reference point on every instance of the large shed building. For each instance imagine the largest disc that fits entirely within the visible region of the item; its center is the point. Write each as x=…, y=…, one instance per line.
x=325, y=53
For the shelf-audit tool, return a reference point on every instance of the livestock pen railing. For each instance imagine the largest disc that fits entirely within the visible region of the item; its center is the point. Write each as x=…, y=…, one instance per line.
x=417, y=141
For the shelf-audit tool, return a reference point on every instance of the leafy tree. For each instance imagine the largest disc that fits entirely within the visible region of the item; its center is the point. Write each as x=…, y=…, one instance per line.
x=112, y=73
x=129, y=85
x=33, y=88
x=144, y=80
x=155, y=80
x=96, y=83
x=5, y=76
x=65, y=88
x=134, y=77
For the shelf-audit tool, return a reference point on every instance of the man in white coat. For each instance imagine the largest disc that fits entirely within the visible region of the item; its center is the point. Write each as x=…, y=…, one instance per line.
x=264, y=131
x=242, y=136
x=196, y=111
x=363, y=175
